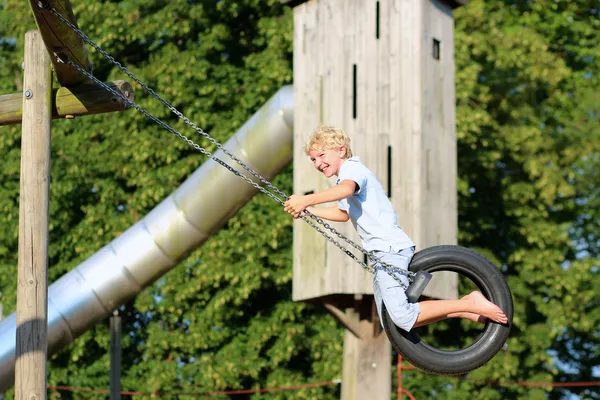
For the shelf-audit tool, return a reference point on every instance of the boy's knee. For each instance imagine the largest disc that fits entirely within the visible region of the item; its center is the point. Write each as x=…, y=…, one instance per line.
x=405, y=316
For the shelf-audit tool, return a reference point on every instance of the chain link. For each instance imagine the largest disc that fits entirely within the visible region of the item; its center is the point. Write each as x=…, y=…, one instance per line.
x=392, y=270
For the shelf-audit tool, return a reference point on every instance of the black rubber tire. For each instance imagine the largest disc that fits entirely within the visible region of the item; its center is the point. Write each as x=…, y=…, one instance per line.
x=490, y=281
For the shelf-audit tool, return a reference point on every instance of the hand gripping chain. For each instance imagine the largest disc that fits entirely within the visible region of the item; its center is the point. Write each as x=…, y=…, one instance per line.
x=390, y=269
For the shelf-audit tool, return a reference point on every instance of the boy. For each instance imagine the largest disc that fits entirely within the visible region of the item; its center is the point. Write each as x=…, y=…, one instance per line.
x=362, y=200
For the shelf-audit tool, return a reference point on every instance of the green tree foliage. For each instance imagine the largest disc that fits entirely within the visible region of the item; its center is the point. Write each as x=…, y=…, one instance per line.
x=527, y=83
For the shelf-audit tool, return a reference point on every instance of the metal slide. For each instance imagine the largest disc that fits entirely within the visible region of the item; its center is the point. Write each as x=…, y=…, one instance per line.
x=155, y=244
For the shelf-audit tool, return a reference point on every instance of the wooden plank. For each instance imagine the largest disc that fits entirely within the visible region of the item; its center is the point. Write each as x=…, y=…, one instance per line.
x=333, y=59
x=309, y=245
x=58, y=37
x=333, y=64
x=86, y=99
x=348, y=274
x=382, y=92
x=32, y=291
x=367, y=82
x=439, y=198
x=405, y=113
x=366, y=121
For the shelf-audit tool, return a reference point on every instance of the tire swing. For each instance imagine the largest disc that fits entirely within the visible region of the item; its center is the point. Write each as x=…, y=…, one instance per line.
x=489, y=280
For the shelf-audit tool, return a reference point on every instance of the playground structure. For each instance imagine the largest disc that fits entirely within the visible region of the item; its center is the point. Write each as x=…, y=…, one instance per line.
x=384, y=71
x=185, y=219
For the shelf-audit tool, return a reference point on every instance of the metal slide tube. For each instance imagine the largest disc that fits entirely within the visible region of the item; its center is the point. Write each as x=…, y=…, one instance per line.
x=154, y=245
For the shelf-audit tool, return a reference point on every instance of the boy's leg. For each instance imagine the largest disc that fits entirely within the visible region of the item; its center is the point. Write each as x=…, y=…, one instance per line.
x=468, y=315
x=473, y=303
x=408, y=315
x=387, y=290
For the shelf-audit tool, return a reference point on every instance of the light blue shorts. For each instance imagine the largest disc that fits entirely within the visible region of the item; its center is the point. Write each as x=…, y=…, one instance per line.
x=387, y=290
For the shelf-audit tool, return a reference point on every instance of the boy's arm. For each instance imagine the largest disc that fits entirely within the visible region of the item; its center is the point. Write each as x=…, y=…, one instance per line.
x=298, y=203
x=342, y=190
x=332, y=213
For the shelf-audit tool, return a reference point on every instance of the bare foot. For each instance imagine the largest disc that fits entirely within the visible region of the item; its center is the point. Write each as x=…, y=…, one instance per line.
x=486, y=308
x=468, y=315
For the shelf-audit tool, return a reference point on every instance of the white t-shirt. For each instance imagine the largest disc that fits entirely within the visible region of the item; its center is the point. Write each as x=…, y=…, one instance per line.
x=370, y=210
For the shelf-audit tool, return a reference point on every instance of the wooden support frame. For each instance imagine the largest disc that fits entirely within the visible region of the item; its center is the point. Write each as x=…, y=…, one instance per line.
x=59, y=38
x=86, y=99
x=32, y=292
x=40, y=105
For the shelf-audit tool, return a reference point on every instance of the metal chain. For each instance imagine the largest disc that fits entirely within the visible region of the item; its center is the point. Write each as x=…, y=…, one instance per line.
x=392, y=270
x=166, y=103
x=64, y=59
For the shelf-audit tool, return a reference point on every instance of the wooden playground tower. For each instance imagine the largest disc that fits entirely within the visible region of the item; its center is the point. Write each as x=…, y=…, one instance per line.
x=34, y=108
x=384, y=72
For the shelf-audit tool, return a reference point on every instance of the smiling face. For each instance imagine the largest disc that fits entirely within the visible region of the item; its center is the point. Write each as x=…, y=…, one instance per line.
x=328, y=161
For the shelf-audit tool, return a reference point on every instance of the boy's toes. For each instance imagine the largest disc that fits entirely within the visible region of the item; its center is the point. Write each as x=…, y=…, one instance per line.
x=488, y=309
x=502, y=318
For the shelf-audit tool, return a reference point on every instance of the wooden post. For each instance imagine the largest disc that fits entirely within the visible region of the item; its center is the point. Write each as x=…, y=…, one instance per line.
x=32, y=294
x=367, y=358
x=115, y=357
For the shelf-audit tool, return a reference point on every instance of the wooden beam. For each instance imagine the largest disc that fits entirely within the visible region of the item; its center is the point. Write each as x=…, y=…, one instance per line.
x=32, y=292
x=59, y=38
x=347, y=321
x=86, y=99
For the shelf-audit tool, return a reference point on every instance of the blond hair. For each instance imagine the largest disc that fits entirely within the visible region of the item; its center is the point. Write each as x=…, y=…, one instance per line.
x=328, y=137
